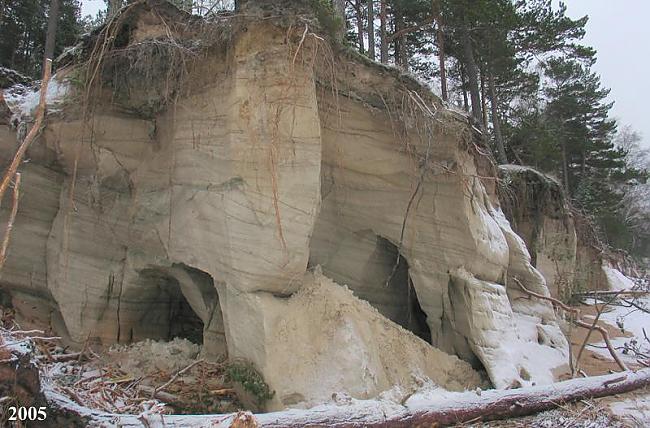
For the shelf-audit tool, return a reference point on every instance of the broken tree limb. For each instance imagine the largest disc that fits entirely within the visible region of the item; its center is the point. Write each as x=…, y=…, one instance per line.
x=10, y=222
x=554, y=302
x=173, y=378
x=165, y=397
x=605, y=336
x=466, y=407
x=60, y=358
x=578, y=322
x=594, y=324
x=451, y=409
x=612, y=293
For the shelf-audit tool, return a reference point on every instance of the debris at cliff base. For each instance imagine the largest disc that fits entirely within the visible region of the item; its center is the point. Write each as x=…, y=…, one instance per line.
x=150, y=356
x=75, y=395
x=157, y=377
x=585, y=414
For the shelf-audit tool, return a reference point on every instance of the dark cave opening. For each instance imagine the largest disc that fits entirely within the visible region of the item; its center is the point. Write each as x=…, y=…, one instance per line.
x=373, y=268
x=406, y=310
x=169, y=314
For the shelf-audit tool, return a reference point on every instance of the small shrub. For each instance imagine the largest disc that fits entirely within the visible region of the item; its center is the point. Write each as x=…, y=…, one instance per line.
x=250, y=379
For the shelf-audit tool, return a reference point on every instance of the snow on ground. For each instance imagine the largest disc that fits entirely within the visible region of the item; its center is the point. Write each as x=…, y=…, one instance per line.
x=344, y=410
x=634, y=410
x=628, y=319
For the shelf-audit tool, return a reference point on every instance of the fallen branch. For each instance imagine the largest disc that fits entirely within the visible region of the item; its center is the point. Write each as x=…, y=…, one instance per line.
x=61, y=358
x=173, y=378
x=554, y=302
x=10, y=222
x=578, y=322
x=165, y=397
x=612, y=293
x=30, y=338
x=594, y=325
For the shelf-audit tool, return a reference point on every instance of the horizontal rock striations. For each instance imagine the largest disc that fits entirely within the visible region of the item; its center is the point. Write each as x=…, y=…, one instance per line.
x=281, y=201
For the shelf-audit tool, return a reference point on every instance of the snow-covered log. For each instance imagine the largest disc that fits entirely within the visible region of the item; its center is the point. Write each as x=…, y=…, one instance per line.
x=419, y=410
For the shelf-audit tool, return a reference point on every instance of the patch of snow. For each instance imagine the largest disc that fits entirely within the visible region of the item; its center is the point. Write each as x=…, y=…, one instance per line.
x=23, y=100
x=616, y=281
x=628, y=320
x=635, y=410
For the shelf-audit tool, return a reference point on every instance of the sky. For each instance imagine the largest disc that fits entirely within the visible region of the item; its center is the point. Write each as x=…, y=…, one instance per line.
x=91, y=7
x=619, y=31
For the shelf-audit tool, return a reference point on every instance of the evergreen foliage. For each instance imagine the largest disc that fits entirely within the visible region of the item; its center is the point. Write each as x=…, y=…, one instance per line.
x=521, y=69
x=23, y=25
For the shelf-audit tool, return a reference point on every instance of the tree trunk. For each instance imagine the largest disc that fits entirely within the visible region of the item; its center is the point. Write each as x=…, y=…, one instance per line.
x=371, y=29
x=52, y=21
x=489, y=405
x=383, y=32
x=463, y=87
x=20, y=379
x=496, y=121
x=565, y=168
x=400, y=42
x=440, y=36
x=113, y=7
x=358, y=7
x=483, y=99
x=339, y=7
x=472, y=73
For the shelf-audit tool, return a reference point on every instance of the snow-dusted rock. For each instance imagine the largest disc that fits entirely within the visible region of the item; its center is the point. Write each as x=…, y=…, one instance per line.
x=209, y=213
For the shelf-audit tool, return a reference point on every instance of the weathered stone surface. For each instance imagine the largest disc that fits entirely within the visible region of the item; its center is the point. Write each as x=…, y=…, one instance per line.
x=211, y=213
x=564, y=245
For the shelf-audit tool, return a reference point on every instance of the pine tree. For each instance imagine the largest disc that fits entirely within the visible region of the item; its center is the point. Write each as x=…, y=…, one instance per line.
x=22, y=45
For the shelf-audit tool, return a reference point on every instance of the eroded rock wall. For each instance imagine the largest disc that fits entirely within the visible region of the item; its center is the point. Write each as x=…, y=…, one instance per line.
x=223, y=205
x=564, y=245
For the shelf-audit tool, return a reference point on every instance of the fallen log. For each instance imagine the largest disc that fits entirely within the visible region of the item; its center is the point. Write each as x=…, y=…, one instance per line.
x=438, y=410
x=19, y=378
x=165, y=397
x=490, y=405
x=587, y=294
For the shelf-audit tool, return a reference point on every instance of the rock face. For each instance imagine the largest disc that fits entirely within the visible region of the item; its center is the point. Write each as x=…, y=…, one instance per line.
x=564, y=247
x=230, y=215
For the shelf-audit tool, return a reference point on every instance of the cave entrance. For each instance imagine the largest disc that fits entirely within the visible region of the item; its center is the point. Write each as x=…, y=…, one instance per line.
x=401, y=302
x=373, y=268
x=174, y=301
x=170, y=313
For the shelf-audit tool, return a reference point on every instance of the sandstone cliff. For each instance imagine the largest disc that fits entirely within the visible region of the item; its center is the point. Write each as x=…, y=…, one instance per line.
x=226, y=181
x=564, y=245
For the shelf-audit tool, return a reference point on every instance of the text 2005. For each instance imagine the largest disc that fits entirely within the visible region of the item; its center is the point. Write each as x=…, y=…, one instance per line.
x=27, y=413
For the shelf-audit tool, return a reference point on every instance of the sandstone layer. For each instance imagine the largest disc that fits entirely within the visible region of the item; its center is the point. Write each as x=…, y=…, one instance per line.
x=234, y=203
x=564, y=245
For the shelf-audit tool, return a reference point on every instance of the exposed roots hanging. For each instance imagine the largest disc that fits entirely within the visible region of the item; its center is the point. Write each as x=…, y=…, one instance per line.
x=424, y=129
x=307, y=49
